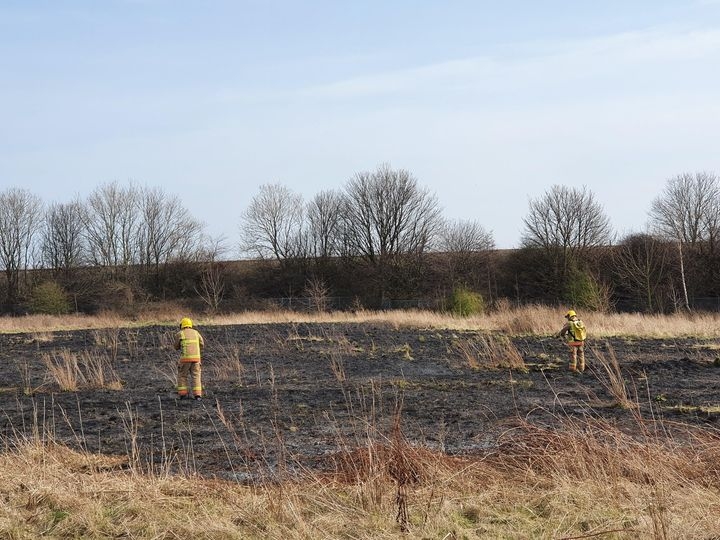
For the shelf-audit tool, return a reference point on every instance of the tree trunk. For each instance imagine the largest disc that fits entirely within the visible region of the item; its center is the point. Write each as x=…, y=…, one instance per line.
x=682, y=277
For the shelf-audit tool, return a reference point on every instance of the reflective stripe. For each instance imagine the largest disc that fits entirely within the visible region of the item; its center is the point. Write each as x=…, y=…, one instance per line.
x=190, y=349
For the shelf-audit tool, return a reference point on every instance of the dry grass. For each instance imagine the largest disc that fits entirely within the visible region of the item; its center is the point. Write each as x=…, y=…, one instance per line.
x=582, y=479
x=227, y=362
x=70, y=372
x=23, y=367
x=527, y=320
x=490, y=351
x=613, y=380
x=108, y=339
x=63, y=369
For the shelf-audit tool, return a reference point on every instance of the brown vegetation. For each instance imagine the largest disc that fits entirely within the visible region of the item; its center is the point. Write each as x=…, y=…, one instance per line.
x=585, y=479
x=567, y=475
x=525, y=320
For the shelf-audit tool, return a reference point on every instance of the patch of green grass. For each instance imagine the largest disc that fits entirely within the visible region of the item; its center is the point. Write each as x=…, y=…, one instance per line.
x=403, y=384
x=55, y=518
x=469, y=516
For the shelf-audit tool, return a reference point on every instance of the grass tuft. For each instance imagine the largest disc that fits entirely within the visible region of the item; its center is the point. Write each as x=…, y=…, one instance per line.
x=496, y=352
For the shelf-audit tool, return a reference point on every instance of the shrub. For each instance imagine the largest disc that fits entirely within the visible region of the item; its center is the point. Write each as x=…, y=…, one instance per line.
x=583, y=290
x=464, y=302
x=49, y=298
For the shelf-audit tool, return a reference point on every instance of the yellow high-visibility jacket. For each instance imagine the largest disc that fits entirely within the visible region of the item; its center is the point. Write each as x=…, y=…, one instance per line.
x=190, y=343
x=574, y=332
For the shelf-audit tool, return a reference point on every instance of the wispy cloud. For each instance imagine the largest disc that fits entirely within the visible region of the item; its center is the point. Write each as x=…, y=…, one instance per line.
x=544, y=62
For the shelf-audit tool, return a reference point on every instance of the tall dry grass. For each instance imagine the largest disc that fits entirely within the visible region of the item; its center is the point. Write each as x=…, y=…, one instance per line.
x=491, y=351
x=228, y=365
x=70, y=371
x=611, y=377
x=582, y=478
x=526, y=320
x=64, y=369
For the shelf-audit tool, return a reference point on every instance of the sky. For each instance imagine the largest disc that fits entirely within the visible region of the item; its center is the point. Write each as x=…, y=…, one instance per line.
x=488, y=104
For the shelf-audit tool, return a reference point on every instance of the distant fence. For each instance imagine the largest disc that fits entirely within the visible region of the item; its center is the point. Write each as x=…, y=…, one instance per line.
x=346, y=303
x=711, y=303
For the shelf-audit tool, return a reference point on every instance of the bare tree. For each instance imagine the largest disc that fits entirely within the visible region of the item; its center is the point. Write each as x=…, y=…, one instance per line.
x=166, y=233
x=465, y=237
x=167, y=230
x=324, y=221
x=111, y=222
x=566, y=223
x=466, y=245
x=688, y=212
x=389, y=214
x=211, y=288
x=317, y=293
x=641, y=264
x=211, y=249
x=563, y=231
x=63, y=243
x=389, y=219
x=20, y=222
x=688, y=208
x=272, y=225
x=566, y=218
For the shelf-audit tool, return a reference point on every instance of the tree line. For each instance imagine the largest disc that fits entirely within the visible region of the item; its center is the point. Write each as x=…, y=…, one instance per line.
x=378, y=241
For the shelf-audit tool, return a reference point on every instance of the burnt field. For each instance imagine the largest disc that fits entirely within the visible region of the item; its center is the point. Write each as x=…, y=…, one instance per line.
x=282, y=398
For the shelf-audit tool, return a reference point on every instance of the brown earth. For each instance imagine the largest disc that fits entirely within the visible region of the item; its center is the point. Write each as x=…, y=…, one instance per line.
x=291, y=395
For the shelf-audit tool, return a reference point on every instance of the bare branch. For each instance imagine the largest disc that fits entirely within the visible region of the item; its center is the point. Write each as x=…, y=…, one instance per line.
x=272, y=224
x=20, y=221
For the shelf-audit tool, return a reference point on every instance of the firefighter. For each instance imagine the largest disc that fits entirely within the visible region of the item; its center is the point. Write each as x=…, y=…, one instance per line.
x=190, y=343
x=574, y=333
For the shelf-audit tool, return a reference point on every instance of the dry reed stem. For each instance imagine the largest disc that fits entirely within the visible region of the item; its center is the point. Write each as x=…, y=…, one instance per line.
x=227, y=362
x=90, y=370
x=63, y=368
x=613, y=381
x=490, y=351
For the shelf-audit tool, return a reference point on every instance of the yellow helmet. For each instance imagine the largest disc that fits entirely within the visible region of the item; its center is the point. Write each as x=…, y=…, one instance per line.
x=570, y=313
x=186, y=323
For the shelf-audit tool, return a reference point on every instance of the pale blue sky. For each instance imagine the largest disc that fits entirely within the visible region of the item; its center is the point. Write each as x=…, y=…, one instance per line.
x=486, y=103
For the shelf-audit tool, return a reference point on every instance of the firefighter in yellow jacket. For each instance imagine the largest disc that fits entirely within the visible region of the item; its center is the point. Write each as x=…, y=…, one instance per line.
x=574, y=333
x=190, y=343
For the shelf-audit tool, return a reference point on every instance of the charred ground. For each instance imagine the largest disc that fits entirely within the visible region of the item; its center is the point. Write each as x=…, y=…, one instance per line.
x=281, y=397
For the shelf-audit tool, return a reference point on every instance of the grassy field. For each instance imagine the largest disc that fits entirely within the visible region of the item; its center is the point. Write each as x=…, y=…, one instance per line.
x=585, y=480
